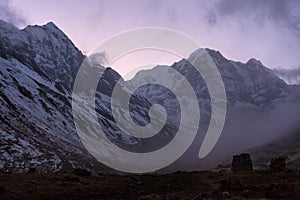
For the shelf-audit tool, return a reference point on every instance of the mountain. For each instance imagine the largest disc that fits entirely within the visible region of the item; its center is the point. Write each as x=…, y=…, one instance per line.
x=38, y=66
x=260, y=106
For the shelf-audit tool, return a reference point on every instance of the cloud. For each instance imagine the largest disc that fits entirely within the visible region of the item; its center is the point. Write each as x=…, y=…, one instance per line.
x=291, y=76
x=268, y=30
x=9, y=14
x=284, y=13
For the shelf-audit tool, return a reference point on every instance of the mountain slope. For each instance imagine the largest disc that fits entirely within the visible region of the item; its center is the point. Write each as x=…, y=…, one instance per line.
x=261, y=106
x=37, y=65
x=44, y=49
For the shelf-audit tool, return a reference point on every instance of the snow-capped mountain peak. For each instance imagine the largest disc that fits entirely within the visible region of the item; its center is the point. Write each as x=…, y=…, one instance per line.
x=46, y=49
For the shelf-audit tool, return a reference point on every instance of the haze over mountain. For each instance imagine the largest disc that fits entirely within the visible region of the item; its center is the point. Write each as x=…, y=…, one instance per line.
x=287, y=146
x=38, y=66
x=291, y=76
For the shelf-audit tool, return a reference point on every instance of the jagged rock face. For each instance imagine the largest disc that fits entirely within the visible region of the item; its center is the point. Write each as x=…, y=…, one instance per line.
x=242, y=162
x=37, y=69
x=44, y=49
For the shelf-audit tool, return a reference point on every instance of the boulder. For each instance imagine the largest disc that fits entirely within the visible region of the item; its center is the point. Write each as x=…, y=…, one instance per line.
x=226, y=195
x=241, y=162
x=278, y=164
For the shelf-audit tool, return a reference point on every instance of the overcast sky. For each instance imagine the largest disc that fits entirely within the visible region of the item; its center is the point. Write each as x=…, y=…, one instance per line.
x=268, y=30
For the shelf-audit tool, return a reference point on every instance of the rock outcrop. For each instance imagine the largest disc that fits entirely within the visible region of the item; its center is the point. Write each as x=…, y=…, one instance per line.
x=278, y=164
x=242, y=162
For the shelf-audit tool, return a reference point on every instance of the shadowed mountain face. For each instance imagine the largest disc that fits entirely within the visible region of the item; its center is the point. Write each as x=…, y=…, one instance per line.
x=38, y=66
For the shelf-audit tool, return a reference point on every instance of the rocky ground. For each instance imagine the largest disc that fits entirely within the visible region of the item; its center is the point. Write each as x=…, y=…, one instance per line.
x=180, y=185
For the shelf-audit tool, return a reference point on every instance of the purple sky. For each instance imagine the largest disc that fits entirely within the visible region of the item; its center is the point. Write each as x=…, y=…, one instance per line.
x=268, y=30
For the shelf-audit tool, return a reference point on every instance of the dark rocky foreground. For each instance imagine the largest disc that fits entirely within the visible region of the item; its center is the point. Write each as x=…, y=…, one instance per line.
x=181, y=185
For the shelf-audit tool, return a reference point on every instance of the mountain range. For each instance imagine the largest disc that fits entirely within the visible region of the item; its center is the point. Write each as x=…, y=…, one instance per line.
x=38, y=66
